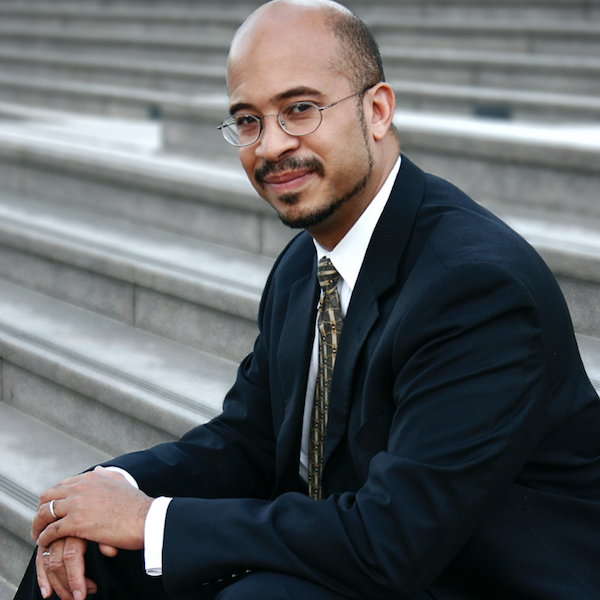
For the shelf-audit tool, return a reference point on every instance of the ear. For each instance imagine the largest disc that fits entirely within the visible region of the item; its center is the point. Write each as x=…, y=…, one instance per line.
x=383, y=103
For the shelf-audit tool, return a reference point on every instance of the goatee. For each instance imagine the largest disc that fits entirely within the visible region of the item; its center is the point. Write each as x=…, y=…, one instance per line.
x=323, y=213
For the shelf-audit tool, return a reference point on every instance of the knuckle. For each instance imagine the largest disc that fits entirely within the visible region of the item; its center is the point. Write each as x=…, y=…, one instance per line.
x=55, y=564
x=71, y=554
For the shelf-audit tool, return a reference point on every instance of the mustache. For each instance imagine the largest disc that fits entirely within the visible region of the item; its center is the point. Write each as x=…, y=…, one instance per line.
x=291, y=163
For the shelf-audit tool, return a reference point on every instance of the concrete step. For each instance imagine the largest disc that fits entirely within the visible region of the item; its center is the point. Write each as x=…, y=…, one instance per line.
x=174, y=92
x=510, y=70
x=208, y=48
x=7, y=589
x=589, y=348
x=576, y=37
x=106, y=87
x=68, y=161
x=499, y=103
x=85, y=97
x=26, y=470
x=115, y=70
x=165, y=17
x=193, y=292
x=492, y=33
x=547, y=167
x=466, y=9
x=105, y=383
x=65, y=10
x=518, y=70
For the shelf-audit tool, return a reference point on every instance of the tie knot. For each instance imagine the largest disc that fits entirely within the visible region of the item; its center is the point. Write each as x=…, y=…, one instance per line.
x=327, y=275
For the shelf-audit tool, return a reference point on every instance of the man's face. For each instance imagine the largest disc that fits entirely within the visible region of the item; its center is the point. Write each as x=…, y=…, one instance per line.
x=315, y=181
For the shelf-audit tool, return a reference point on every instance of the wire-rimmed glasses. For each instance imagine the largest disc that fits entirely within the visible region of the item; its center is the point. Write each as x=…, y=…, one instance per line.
x=297, y=119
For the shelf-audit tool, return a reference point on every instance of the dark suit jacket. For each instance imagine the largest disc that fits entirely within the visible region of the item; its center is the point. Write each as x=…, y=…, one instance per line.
x=462, y=451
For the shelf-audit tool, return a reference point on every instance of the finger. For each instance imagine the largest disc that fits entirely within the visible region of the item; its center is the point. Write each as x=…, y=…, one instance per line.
x=58, y=491
x=55, y=571
x=74, y=564
x=107, y=550
x=92, y=588
x=42, y=578
x=52, y=533
x=47, y=513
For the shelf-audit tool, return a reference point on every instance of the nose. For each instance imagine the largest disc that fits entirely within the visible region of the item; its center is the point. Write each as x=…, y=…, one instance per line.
x=274, y=142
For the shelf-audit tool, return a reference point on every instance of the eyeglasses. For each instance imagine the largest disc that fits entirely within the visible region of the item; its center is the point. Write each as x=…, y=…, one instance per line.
x=297, y=119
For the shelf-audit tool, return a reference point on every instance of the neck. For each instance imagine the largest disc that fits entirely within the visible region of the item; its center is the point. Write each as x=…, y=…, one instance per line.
x=332, y=230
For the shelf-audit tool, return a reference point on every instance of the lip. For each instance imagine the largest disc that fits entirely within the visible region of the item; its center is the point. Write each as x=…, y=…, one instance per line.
x=288, y=181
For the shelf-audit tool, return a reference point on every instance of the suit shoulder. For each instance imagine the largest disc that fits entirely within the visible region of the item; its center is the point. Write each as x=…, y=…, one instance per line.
x=460, y=230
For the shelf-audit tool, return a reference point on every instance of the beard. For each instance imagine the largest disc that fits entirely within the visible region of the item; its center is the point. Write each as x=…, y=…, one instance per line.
x=320, y=214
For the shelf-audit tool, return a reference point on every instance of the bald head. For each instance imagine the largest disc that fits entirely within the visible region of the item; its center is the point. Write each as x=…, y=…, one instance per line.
x=356, y=52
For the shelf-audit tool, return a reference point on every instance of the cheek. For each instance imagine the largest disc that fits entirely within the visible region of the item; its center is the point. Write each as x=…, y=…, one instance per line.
x=247, y=161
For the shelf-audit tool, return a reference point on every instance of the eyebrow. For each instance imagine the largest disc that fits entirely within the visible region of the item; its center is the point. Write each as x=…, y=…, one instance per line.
x=287, y=95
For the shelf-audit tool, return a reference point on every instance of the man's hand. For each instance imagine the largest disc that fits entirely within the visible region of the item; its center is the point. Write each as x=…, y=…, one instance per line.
x=62, y=570
x=99, y=506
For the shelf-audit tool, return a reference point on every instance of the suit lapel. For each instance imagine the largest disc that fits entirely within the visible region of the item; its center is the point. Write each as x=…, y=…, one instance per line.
x=379, y=272
x=293, y=359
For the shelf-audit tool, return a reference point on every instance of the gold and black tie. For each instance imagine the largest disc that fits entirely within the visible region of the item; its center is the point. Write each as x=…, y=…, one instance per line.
x=329, y=321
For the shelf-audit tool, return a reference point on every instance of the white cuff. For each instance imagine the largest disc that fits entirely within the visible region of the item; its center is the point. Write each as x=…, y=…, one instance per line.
x=125, y=474
x=154, y=532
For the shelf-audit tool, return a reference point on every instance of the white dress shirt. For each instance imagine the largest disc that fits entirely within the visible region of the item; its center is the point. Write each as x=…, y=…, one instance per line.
x=347, y=257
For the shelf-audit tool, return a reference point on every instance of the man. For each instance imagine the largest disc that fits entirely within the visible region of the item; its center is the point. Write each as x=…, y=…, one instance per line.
x=461, y=447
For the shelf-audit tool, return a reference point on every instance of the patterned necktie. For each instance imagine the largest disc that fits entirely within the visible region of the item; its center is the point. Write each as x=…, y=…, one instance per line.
x=329, y=321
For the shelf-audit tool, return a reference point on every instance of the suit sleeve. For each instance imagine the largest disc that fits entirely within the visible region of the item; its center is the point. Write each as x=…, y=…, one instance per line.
x=469, y=376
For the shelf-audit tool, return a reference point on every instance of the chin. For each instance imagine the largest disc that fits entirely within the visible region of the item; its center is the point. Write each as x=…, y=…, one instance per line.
x=298, y=219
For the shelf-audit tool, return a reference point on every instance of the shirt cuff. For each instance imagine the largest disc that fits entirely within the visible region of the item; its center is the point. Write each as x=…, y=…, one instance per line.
x=125, y=474
x=154, y=532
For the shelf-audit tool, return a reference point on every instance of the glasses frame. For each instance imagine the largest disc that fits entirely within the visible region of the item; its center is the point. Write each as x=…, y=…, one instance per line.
x=231, y=119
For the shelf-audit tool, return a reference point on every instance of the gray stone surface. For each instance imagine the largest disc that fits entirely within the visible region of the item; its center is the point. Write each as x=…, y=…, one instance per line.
x=550, y=167
x=212, y=48
x=197, y=293
x=15, y=553
x=517, y=105
x=132, y=371
x=103, y=427
x=191, y=78
x=497, y=34
x=568, y=74
x=165, y=17
x=7, y=590
x=84, y=97
x=26, y=470
x=205, y=199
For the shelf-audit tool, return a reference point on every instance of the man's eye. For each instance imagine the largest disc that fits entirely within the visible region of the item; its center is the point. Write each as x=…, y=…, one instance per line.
x=300, y=110
x=245, y=121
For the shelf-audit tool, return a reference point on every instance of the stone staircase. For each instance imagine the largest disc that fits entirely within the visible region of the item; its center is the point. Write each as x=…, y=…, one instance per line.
x=133, y=250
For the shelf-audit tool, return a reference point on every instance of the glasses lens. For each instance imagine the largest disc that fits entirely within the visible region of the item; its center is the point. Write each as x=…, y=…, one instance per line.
x=300, y=118
x=241, y=130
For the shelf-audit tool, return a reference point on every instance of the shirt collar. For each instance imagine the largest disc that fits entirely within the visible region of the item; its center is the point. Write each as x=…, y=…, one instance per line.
x=348, y=256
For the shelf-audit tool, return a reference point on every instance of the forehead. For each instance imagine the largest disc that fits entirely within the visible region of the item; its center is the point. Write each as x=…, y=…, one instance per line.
x=282, y=52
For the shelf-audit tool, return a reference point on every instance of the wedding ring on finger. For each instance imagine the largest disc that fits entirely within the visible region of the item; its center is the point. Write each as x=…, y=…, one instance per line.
x=46, y=553
x=51, y=509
